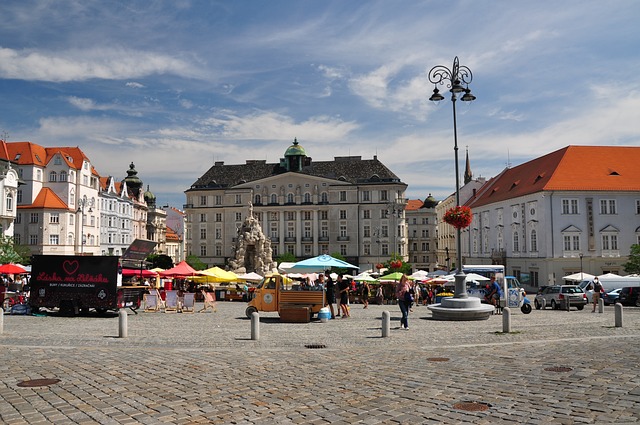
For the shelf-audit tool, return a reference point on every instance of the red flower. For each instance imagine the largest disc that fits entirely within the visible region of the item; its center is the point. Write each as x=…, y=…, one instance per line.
x=458, y=217
x=379, y=266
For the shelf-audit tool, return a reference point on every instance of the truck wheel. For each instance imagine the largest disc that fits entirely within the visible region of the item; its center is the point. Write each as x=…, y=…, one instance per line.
x=526, y=308
x=250, y=310
x=68, y=308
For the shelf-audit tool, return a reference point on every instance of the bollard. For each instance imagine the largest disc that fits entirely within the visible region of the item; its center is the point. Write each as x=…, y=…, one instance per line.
x=386, y=324
x=122, y=323
x=618, y=308
x=255, y=326
x=600, y=305
x=1, y=320
x=506, y=320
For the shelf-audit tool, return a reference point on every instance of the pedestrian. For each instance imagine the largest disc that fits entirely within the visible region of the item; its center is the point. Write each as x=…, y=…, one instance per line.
x=405, y=299
x=365, y=294
x=597, y=291
x=343, y=288
x=330, y=295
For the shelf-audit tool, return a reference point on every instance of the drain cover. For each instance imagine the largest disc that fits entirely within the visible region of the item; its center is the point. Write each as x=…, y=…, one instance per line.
x=472, y=406
x=38, y=383
x=558, y=369
x=438, y=359
x=315, y=346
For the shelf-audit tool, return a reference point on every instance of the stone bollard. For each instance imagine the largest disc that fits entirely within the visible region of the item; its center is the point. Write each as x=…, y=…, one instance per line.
x=123, y=332
x=506, y=320
x=600, y=306
x=1, y=320
x=255, y=326
x=386, y=324
x=618, y=314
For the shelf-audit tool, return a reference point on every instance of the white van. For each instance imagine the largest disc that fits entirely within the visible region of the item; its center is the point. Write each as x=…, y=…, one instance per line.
x=609, y=284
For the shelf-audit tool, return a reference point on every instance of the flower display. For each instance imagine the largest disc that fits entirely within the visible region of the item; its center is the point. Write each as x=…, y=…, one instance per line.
x=396, y=264
x=458, y=217
x=379, y=266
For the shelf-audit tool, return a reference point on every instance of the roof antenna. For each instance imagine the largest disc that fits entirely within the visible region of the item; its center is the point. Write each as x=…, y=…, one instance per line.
x=508, y=159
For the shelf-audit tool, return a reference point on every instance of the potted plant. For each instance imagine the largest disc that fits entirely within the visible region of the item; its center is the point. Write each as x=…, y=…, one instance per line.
x=459, y=217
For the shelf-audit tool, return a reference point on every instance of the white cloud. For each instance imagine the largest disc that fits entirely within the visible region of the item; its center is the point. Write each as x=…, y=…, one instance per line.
x=134, y=85
x=81, y=65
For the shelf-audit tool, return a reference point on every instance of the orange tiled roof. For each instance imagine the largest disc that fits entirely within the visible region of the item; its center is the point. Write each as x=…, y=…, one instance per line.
x=171, y=235
x=28, y=153
x=413, y=204
x=46, y=199
x=579, y=168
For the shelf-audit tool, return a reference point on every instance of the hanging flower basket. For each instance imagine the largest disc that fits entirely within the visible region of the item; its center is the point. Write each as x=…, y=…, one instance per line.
x=379, y=266
x=396, y=264
x=458, y=217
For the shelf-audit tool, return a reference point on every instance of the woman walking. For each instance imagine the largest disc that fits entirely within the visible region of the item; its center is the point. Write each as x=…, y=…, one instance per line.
x=365, y=294
x=404, y=297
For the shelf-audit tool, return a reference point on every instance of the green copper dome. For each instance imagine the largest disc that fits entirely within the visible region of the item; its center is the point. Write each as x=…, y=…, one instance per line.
x=295, y=150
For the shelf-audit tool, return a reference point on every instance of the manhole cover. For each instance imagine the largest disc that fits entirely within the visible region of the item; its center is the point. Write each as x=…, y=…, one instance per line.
x=558, y=369
x=438, y=359
x=38, y=383
x=472, y=406
x=315, y=346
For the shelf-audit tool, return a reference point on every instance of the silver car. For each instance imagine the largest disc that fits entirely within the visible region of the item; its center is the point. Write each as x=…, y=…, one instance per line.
x=557, y=296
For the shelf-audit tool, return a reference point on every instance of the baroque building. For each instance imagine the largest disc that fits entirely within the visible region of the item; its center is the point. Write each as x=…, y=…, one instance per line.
x=350, y=205
x=422, y=236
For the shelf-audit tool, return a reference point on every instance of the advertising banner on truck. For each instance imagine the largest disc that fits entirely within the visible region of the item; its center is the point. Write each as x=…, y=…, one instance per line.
x=87, y=281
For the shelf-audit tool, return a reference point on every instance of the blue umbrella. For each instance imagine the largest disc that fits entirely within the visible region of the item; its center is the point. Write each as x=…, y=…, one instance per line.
x=323, y=262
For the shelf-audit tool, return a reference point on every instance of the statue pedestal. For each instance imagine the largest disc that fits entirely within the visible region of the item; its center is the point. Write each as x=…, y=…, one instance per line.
x=469, y=308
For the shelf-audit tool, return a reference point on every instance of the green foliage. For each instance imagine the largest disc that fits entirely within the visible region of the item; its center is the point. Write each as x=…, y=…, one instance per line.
x=633, y=265
x=8, y=252
x=160, y=260
x=286, y=257
x=405, y=268
x=195, y=262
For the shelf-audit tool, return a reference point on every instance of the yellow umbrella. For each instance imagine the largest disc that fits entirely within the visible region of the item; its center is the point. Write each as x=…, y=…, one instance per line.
x=218, y=275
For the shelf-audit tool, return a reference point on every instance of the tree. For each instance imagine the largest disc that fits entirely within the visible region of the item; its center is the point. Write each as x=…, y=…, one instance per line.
x=160, y=261
x=195, y=262
x=8, y=252
x=633, y=265
x=286, y=257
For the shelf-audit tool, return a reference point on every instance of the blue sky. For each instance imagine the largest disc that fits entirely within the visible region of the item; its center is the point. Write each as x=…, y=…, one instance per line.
x=175, y=85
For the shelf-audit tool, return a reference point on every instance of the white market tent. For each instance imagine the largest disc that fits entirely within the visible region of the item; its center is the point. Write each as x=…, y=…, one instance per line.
x=578, y=277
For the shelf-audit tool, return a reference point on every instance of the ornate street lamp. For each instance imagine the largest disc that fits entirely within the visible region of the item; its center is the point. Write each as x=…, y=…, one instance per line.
x=83, y=203
x=454, y=79
x=461, y=306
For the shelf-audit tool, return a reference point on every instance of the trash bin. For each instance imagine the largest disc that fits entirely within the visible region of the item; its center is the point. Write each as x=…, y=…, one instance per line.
x=324, y=315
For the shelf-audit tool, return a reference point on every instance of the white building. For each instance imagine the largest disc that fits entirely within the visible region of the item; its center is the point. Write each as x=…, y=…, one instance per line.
x=305, y=207
x=116, y=212
x=575, y=209
x=9, y=190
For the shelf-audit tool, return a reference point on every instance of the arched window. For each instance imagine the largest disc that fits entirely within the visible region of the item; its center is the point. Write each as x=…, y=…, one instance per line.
x=290, y=198
x=516, y=242
x=274, y=198
x=257, y=200
x=307, y=198
x=53, y=177
x=534, y=241
x=9, y=202
x=324, y=198
x=63, y=176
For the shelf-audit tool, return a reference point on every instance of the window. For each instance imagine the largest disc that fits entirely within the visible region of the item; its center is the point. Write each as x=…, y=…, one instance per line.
x=324, y=215
x=290, y=198
x=609, y=242
x=343, y=214
x=19, y=197
x=63, y=176
x=366, y=214
x=38, y=175
x=324, y=230
x=19, y=218
x=218, y=233
x=324, y=198
x=425, y=233
x=218, y=250
x=273, y=216
x=425, y=246
x=291, y=230
x=384, y=231
x=203, y=250
x=203, y=218
x=203, y=200
x=54, y=239
x=57, y=160
x=366, y=196
x=218, y=217
x=343, y=230
x=238, y=199
x=571, y=242
x=203, y=233
x=533, y=239
x=218, y=200
x=637, y=206
x=307, y=198
x=569, y=206
x=343, y=250
x=33, y=239
x=291, y=215
x=33, y=218
x=307, y=215
x=238, y=216
x=307, y=230
x=307, y=250
x=516, y=242
x=343, y=196
x=257, y=199
x=9, y=202
x=607, y=206
x=384, y=249
x=274, y=198
x=54, y=218
x=367, y=231
x=366, y=249
x=384, y=196
x=53, y=176
x=291, y=249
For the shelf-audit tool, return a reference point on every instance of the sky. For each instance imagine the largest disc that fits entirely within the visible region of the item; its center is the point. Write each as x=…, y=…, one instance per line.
x=175, y=85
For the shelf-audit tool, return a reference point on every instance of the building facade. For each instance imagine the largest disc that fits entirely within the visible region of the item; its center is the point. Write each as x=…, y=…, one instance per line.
x=422, y=235
x=350, y=206
x=575, y=209
x=116, y=211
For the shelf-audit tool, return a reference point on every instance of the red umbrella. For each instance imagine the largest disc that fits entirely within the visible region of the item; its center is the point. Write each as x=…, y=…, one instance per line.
x=181, y=270
x=137, y=272
x=11, y=269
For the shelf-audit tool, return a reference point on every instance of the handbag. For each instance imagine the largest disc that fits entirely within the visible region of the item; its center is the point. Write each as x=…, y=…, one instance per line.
x=408, y=298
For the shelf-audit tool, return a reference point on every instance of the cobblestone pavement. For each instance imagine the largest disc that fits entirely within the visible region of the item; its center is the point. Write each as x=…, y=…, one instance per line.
x=554, y=367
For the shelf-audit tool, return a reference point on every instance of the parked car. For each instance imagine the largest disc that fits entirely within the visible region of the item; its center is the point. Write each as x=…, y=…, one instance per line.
x=611, y=297
x=557, y=296
x=629, y=296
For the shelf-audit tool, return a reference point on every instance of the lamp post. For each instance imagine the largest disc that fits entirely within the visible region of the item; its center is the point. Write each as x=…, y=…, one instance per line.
x=395, y=207
x=83, y=203
x=454, y=79
x=581, y=278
